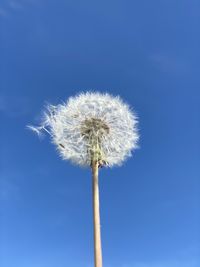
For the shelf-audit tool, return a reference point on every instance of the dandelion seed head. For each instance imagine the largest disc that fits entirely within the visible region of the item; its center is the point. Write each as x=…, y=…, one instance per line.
x=92, y=123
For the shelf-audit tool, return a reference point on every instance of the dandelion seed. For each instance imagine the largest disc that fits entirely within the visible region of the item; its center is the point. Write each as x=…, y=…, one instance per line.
x=37, y=130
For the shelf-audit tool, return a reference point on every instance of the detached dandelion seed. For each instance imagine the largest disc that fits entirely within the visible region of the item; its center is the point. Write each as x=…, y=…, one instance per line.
x=96, y=130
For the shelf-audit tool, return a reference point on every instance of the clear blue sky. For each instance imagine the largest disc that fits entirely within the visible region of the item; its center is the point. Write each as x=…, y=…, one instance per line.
x=148, y=53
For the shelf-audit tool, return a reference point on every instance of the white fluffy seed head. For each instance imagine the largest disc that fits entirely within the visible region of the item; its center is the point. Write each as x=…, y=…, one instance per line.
x=91, y=124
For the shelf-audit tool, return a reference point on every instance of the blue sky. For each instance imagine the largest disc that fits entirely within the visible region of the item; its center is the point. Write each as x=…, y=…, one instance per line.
x=148, y=53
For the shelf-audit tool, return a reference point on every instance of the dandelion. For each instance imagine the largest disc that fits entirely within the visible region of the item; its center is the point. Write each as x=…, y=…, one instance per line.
x=96, y=130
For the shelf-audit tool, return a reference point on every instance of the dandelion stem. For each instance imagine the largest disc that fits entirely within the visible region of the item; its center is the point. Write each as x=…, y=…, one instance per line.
x=96, y=215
